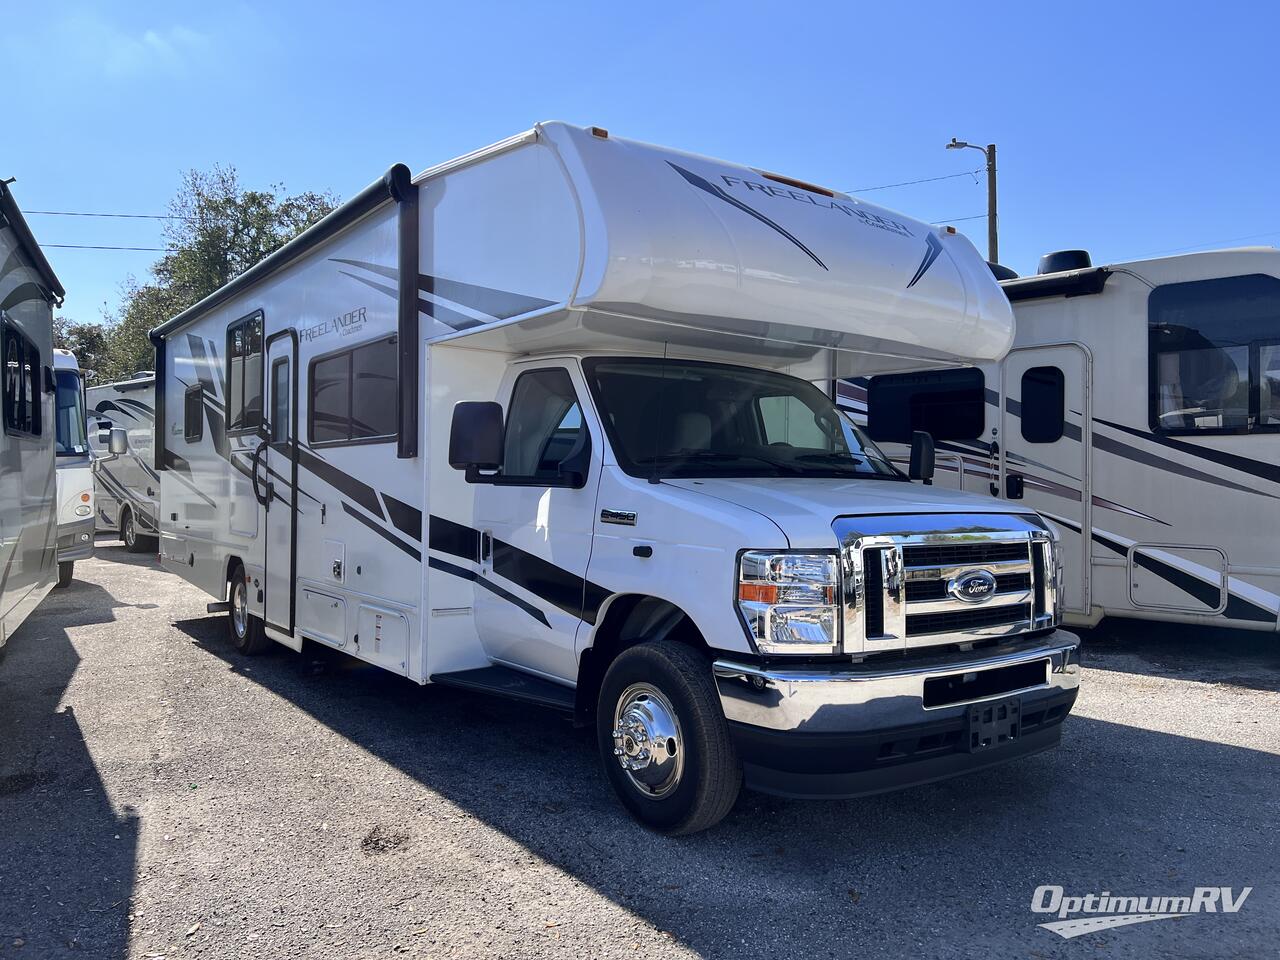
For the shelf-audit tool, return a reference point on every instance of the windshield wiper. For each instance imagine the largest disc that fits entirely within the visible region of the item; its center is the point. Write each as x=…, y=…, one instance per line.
x=709, y=456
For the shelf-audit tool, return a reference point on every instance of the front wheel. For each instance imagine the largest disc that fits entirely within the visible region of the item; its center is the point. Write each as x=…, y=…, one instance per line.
x=66, y=570
x=664, y=740
x=129, y=533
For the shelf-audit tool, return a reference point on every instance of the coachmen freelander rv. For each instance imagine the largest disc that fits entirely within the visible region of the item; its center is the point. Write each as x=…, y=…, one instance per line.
x=74, y=467
x=538, y=422
x=128, y=487
x=28, y=514
x=1140, y=403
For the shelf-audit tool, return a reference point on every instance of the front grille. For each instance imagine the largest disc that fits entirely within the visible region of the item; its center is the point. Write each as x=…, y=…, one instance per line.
x=959, y=620
x=937, y=589
x=873, y=579
x=967, y=553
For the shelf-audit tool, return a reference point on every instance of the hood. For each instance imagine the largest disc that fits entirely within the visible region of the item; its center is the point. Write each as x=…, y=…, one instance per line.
x=805, y=508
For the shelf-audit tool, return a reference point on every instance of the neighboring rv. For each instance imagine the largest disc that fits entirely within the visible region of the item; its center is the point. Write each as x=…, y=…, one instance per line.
x=1139, y=410
x=127, y=488
x=538, y=423
x=28, y=515
x=74, y=466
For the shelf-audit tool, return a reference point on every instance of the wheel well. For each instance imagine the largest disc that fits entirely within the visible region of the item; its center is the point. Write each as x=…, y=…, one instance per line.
x=232, y=563
x=629, y=620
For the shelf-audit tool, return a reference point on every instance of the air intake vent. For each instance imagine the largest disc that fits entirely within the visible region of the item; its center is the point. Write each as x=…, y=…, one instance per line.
x=1061, y=260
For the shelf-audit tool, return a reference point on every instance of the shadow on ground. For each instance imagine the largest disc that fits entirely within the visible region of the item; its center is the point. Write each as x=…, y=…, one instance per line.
x=1116, y=808
x=66, y=855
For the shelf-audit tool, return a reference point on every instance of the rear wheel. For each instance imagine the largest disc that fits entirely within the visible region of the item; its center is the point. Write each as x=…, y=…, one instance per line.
x=664, y=740
x=244, y=629
x=66, y=570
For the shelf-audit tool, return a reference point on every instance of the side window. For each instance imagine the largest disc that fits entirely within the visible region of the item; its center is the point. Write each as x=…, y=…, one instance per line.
x=544, y=426
x=949, y=404
x=22, y=383
x=352, y=395
x=280, y=422
x=1213, y=355
x=1044, y=405
x=193, y=413
x=244, y=374
x=789, y=420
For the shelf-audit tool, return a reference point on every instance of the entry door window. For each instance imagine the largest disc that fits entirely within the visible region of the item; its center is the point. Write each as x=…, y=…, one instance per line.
x=280, y=397
x=544, y=426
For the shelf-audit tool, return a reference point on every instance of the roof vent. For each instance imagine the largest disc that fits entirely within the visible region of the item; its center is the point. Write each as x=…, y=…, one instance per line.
x=1061, y=260
x=1001, y=272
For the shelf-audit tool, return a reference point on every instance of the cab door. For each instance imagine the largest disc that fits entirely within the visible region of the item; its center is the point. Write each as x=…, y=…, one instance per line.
x=1047, y=433
x=536, y=522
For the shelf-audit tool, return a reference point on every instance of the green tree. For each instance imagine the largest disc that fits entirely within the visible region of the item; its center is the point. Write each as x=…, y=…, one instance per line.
x=88, y=341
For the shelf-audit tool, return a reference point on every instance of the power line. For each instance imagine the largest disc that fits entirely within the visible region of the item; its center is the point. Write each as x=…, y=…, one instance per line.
x=120, y=216
x=908, y=183
x=89, y=246
x=1207, y=243
x=976, y=216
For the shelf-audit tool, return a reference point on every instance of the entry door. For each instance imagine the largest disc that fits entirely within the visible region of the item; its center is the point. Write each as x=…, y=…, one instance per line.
x=278, y=482
x=536, y=526
x=1047, y=436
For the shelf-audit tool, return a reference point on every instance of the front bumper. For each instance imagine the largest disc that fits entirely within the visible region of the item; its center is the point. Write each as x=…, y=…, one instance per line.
x=866, y=728
x=75, y=540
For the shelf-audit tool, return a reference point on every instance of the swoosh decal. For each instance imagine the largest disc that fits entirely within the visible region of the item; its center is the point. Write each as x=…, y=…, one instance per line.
x=934, y=247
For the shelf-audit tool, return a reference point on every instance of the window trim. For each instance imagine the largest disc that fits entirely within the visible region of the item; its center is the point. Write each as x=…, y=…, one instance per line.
x=226, y=400
x=501, y=480
x=1255, y=379
x=351, y=384
x=194, y=390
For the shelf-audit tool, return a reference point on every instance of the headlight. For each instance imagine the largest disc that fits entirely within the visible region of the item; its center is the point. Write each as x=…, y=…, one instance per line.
x=789, y=601
x=83, y=511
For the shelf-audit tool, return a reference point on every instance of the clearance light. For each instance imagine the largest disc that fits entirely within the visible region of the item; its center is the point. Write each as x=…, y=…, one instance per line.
x=84, y=498
x=788, y=601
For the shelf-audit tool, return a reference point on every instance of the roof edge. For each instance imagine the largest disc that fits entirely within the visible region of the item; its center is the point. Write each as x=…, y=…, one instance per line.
x=26, y=239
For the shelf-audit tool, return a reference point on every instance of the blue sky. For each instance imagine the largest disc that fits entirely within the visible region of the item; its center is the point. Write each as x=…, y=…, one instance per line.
x=1128, y=129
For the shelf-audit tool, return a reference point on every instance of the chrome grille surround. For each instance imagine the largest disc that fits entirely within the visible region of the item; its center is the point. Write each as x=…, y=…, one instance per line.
x=1021, y=546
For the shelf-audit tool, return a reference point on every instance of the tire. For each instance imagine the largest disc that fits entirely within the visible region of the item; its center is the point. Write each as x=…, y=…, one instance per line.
x=66, y=570
x=695, y=784
x=134, y=542
x=243, y=628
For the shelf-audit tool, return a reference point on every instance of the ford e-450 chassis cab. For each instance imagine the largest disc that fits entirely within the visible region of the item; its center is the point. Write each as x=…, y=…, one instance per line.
x=542, y=422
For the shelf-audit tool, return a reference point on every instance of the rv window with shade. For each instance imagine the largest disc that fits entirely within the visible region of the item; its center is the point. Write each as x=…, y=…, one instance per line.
x=22, y=384
x=352, y=395
x=244, y=374
x=1212, y=355
x=947, y=404
x=193, y=414
x=1044, y=404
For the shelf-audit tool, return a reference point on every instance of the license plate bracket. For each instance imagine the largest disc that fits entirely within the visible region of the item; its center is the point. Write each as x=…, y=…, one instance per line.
x=993, y=724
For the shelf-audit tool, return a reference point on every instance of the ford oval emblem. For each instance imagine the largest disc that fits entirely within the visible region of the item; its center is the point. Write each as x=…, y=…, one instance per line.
x=973, y=586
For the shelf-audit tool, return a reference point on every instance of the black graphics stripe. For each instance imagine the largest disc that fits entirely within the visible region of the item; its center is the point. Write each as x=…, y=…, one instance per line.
x=382, y=532
x=445, y=567
x=1238, y=608
x=344, y=483
x=1111, y=445
x=500, y=304
x=138, y=404
x=933, y=249
x=107, y=406
x=21, y=294
x=406, y=518
x=450, y=318
x=12, y=262
x=209, y=391
x=454, y=538
x=1255, y=468
x=717, y=192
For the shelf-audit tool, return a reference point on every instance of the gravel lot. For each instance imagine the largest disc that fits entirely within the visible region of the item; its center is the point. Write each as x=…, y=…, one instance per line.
x=161, y=796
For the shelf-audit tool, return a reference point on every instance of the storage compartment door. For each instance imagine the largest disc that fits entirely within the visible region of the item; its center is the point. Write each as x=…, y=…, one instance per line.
x=1177, y=577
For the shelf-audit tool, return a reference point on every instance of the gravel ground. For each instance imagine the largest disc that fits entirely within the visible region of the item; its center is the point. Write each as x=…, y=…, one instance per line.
x=161, y=796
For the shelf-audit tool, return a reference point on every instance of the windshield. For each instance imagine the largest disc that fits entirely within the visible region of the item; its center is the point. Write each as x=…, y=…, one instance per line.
x=69, y=415
x=684, y=418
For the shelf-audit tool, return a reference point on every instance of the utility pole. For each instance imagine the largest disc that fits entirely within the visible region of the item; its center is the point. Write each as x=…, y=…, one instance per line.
x=989, y=151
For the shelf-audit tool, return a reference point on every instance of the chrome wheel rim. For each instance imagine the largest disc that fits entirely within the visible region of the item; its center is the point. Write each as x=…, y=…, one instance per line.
x=647, y=740
x=128, y=530
x=239, y=609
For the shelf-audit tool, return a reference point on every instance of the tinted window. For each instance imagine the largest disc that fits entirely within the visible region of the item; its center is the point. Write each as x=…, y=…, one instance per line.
x=352, y=395
x=949, y=404
x=193, y=413
x=280, y=401
x=22, y=393
x=69, y=419
x=544, y=426
x=1043, y=405
x=244, y=374
x=1213, y=364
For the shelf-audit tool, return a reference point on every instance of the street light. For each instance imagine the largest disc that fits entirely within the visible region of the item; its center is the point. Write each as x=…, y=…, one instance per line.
x=989, y=151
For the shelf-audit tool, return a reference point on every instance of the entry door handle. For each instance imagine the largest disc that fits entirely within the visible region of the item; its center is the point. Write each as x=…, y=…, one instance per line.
x=486, y=550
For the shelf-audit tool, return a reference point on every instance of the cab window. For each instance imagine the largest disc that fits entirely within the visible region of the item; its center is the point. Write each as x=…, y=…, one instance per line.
x=544, y=427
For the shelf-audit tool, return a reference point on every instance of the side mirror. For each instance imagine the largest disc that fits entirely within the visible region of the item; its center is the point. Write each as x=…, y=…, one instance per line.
x=118, y=442
x=475, y=438
x=921, y=467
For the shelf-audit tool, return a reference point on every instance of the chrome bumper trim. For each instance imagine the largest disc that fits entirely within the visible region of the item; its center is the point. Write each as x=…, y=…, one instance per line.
x=865, y=697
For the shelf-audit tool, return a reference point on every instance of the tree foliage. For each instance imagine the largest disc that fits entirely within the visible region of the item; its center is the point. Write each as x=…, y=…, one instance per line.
x=218, y=230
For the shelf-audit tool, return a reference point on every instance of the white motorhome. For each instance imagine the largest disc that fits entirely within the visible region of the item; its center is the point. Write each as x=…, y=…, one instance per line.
x=127, y=488
x=538, y=422
x=28, y=515
x=74, y=466
x=1139, y=410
